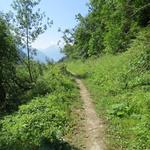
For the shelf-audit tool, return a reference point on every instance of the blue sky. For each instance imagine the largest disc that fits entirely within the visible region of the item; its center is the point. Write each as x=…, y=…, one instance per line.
x=62, y=12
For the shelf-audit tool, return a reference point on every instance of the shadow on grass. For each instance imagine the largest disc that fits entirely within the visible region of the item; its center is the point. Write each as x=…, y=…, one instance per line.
x=80, y=76
x=56, y=145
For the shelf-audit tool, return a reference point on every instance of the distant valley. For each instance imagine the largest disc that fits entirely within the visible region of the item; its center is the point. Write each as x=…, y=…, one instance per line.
x=52, y=53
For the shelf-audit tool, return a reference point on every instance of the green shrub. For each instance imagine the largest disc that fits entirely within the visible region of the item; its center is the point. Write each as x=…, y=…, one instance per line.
x=45, y=119
x=53, y=80
x=41, y=118
x=141, y=44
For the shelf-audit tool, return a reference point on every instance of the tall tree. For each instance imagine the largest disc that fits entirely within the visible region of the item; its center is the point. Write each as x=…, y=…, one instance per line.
x=8, y=61
x=29, y=23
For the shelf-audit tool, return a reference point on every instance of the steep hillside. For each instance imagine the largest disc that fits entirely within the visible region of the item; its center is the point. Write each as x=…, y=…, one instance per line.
x=120, y=87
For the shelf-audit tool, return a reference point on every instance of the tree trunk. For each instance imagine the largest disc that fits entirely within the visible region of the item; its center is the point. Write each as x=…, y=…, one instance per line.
x=28, y=55
x=2, y=94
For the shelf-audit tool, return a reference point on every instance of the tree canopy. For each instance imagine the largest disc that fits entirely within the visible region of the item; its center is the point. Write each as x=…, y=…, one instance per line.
x=109, y=27
x=8, y=61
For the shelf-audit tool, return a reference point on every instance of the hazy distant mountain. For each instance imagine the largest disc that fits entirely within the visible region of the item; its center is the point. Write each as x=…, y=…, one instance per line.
x=40, y=56
x=53, y=52
x=22, y=54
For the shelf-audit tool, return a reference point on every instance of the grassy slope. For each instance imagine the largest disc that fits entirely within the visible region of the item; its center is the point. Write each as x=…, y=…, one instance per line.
x=121, y=95
x=46, y=120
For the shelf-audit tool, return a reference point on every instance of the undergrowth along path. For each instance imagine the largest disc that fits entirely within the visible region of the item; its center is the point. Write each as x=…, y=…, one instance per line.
x=94, y=126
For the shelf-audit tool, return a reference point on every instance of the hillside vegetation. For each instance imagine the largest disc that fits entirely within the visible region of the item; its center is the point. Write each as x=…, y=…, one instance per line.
x=109, y=49
x=36, y=100
x=109, y=27
x=46, y=118
x=120, y=87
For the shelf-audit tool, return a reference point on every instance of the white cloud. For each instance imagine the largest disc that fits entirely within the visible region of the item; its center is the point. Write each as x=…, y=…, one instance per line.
x=44, y=41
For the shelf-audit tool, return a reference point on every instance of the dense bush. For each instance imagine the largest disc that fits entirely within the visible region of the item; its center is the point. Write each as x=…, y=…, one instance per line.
x=8, y=61
x=45, y=119
x=142, y=45
x=53, y=80
x=42, y=118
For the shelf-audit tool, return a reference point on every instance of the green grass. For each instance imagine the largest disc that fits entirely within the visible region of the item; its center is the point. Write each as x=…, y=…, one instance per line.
x=120, y=91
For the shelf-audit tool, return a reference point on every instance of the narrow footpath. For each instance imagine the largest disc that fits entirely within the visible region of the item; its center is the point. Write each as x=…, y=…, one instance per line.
x=94, y=126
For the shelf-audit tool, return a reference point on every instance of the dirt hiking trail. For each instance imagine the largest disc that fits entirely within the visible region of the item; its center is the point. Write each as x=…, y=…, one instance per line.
x=93, y=126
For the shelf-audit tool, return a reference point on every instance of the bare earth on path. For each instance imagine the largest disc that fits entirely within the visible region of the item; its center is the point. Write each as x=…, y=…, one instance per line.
x=94, y=126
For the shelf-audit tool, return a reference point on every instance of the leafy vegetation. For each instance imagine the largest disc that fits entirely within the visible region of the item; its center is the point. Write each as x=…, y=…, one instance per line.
x=109, y=49
x=120, y=88
x=118, y=82
x=28, y=24
x=109, y=27
x=18, y=71
x=36, y=100
x=46, y=118
x=8, y=61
